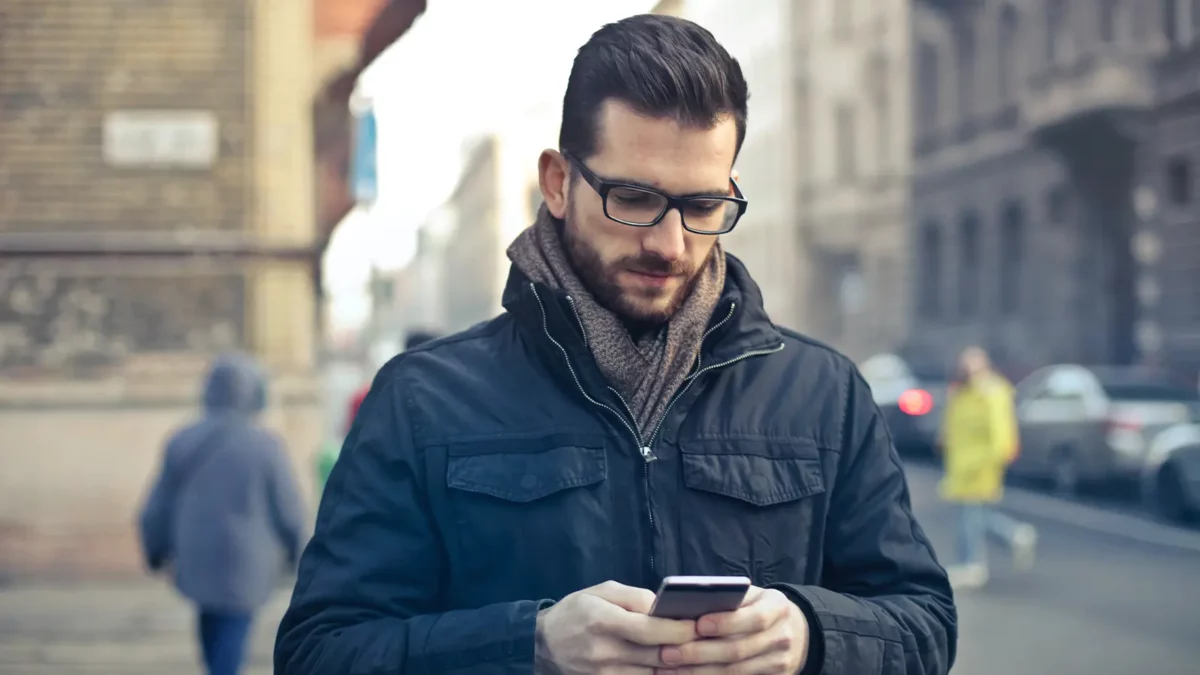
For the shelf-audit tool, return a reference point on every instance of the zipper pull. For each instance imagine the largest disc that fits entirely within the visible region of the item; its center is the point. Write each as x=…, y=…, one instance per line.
x=648, y=454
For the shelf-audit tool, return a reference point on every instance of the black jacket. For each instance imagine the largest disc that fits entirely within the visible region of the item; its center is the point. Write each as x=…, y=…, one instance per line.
x=491, y=473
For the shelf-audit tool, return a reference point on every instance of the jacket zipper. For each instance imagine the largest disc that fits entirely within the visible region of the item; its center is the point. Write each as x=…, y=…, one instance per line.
x=645, y=449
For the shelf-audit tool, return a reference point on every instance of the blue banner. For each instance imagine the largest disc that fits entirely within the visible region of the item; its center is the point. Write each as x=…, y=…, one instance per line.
x=364, y=168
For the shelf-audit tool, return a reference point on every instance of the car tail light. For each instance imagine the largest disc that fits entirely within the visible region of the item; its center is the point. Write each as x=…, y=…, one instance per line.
x=1118, y=423
x=916, y=402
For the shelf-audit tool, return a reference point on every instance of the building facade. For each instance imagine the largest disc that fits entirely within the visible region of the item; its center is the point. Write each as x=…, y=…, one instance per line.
x=852, y=118
x=148, y=219
x=1052, y=180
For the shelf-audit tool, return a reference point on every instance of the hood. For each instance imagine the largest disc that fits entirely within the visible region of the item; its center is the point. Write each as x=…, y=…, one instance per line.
x=235, y=384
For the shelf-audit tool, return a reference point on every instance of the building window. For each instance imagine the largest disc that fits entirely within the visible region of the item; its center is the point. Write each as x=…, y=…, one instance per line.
x=1057, y=26
x=1012, y=258
x=1170, y=21
x=1058, y=205
x=843, y=17
x=878, y=78
x=1179, y=181
x=966, y=73
x=1006, y=63
x=968, y=266
x=1110, y=15
x=929, y=101
x=929, y=289
x=847, y=145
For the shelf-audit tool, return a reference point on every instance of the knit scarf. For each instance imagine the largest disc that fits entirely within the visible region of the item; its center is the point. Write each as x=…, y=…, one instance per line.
x=646, y=372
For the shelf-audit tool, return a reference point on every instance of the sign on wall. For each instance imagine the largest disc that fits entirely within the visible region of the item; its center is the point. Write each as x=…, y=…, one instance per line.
x=161, y=138
x=364, y=169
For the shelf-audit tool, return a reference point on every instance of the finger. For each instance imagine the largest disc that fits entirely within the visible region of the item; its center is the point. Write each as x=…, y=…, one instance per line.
x=628, y=598
x=650, y=630
x=723, y=650
x=765, y=664
x=763, y=612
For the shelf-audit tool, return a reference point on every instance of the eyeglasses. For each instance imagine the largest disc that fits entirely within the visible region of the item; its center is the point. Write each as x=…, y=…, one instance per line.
x=641, y=206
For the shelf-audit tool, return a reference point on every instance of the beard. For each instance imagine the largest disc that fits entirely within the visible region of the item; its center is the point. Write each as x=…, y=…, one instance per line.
x=639, y=310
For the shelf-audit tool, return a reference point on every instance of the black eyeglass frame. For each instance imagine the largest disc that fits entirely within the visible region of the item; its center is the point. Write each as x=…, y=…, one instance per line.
x=603, y=186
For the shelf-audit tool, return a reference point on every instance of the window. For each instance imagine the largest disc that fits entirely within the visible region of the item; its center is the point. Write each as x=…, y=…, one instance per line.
x=883, y=111
x=1058, y=205
x=968, y=266
x=1006, y=63
x=1170, y=21
x=928, y=74
x=966, y=73
x=1012, y=254
x=1110, y=11
x=847, y=145
x=843, y=17
x=929, y=290
x=1196, y=20
x=1179, y=181
x=1056, y=30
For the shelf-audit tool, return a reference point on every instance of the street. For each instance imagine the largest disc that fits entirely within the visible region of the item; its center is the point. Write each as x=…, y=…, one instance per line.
x=1111, y=593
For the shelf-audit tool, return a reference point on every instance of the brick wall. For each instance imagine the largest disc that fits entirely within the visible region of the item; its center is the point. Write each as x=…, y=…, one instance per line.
x=64, y=64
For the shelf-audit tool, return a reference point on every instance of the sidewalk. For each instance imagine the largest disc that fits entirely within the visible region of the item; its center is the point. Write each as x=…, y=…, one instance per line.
x=137, y=628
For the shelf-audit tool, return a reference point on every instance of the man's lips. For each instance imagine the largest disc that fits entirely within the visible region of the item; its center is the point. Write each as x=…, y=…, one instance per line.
x=652, y=278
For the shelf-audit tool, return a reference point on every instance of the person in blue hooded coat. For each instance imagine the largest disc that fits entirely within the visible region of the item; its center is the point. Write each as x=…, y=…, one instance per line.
x=225, y=512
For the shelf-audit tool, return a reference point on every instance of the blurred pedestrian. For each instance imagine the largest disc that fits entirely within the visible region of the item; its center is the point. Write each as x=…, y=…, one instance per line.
x=979, y=440
x=225, y=513
x=509, y=497
x=328, y=455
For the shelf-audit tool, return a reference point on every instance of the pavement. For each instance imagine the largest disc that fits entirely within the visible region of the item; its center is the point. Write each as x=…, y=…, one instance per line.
x=1112, y=593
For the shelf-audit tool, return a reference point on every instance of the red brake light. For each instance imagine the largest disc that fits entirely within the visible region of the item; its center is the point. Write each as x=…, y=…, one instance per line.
x=916, y=402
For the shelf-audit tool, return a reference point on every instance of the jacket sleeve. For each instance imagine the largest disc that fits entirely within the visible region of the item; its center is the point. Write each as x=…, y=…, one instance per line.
x=288, y=514
x=1002, y=407
x=155, y=520
x=368, y=587
x=884, y=605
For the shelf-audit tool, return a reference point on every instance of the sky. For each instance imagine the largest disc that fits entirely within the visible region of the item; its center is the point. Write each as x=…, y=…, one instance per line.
x=452, y=77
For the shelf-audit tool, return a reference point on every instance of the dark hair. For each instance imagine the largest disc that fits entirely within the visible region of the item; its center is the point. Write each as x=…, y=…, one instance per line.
x=661, y=66
x=416, y=338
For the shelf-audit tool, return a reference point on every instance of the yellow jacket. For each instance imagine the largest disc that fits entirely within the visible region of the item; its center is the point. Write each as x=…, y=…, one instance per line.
x=979, y=439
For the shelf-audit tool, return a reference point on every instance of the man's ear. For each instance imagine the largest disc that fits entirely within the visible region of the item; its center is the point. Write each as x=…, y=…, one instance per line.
x=735, y=175
x=554, y=179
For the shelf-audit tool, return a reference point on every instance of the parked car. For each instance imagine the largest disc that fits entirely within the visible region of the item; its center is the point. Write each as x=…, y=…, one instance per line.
x=912, y=405
x=1087, y=425
x=1171, y=475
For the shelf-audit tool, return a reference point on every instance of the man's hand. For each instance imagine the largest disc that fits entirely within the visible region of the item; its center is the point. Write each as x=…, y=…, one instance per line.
x=605, y=630
x=767, y=635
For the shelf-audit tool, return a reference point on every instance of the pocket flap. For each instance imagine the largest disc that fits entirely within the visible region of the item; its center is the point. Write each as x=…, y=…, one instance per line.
x=761, y=481
x=527, y=476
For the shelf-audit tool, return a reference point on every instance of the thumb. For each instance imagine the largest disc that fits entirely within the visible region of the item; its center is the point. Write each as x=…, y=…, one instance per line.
x=628, y=598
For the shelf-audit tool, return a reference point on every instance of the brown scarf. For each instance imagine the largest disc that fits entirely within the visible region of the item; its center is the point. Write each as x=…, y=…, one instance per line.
x=647, y=373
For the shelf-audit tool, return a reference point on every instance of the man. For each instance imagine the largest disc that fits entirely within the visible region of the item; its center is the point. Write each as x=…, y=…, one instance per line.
x=511, y=493
x=225, y=512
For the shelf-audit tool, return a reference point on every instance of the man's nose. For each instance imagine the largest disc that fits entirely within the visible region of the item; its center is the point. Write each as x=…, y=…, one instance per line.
x=666, y=239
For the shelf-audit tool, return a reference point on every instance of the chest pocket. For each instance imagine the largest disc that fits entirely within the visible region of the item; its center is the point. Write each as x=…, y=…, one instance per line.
x=517, y=503
x=752, y=508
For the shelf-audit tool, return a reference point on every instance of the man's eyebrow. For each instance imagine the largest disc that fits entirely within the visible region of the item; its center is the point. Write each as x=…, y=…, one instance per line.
x=650, y=186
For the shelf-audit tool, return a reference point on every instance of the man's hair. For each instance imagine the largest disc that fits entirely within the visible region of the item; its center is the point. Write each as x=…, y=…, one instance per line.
x=660, y=66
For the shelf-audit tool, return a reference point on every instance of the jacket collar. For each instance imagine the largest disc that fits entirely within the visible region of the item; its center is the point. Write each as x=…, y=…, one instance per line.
x=739, y=323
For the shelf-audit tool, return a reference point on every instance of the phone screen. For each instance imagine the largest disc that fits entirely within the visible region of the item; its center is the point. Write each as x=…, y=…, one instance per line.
x=694, y=597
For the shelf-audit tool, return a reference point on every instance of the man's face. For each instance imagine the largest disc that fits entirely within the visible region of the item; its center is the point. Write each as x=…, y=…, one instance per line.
x=643, y=274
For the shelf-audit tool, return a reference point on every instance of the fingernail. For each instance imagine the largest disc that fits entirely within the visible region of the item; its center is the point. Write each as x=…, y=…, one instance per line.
x=707, y=626
x=671, y=655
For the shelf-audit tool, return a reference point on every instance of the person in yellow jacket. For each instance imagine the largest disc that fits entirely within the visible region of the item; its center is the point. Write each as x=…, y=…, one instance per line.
x=979, y=439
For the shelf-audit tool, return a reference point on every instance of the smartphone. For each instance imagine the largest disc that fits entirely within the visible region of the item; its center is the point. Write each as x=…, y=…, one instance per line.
x=693, y=597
